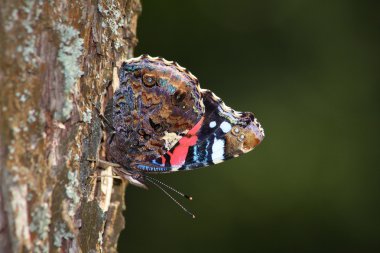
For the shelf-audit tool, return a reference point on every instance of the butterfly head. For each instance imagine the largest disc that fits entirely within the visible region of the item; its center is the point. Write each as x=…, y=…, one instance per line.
x=134, y=177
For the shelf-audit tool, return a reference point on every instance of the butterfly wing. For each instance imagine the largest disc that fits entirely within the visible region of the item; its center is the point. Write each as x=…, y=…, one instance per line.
x=163, y=121
x=155, y=105
x=220, y=134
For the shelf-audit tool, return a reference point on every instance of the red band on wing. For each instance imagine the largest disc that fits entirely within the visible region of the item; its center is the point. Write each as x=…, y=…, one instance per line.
x=163, y=159
x=178, y=157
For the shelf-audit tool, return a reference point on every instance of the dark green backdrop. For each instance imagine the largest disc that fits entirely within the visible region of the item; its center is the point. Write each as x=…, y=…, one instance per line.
x=309, y=70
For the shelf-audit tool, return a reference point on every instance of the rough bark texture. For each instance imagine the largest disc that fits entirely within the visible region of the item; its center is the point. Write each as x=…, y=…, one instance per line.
x=57, y=58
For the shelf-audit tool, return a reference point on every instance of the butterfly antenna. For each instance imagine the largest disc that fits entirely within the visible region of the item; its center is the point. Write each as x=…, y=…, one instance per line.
x=170, y=188
x=153, y=181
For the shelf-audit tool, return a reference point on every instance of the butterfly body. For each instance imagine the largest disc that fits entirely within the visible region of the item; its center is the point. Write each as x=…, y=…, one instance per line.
x=164, y=122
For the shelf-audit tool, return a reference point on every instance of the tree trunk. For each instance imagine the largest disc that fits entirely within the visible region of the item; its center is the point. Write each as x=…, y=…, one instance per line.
x=57, y=59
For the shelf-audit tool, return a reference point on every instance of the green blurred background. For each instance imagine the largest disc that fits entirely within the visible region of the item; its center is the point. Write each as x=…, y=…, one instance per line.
x=309, y=70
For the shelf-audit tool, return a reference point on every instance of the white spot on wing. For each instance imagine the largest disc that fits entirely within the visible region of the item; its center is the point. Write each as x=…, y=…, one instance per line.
x=212, y=124
x=225, y=126
x=217, y=155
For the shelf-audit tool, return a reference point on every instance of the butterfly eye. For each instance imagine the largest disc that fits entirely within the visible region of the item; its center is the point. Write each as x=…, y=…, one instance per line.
x=137, y=176
x=178, y=98
x=149, y=80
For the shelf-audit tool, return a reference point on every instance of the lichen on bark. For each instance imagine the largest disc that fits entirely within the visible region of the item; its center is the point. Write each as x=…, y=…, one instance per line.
x=56, y=60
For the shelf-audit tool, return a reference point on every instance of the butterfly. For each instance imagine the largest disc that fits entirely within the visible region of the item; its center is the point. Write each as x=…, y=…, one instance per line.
x=162, y=121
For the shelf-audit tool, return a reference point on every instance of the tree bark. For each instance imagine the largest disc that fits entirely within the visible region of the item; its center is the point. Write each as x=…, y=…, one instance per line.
x=57, y=59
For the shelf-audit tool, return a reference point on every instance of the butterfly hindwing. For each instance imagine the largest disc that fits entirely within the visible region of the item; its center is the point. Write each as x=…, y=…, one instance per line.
x=210, y=141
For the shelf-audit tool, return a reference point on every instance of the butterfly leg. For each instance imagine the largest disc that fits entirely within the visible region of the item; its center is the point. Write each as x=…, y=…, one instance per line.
x=102, y=163
x=101, y=176
x=105, y=177
x=136, y=178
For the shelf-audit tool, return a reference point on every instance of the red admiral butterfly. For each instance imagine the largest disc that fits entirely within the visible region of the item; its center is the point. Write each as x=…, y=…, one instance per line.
x=163, y=122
